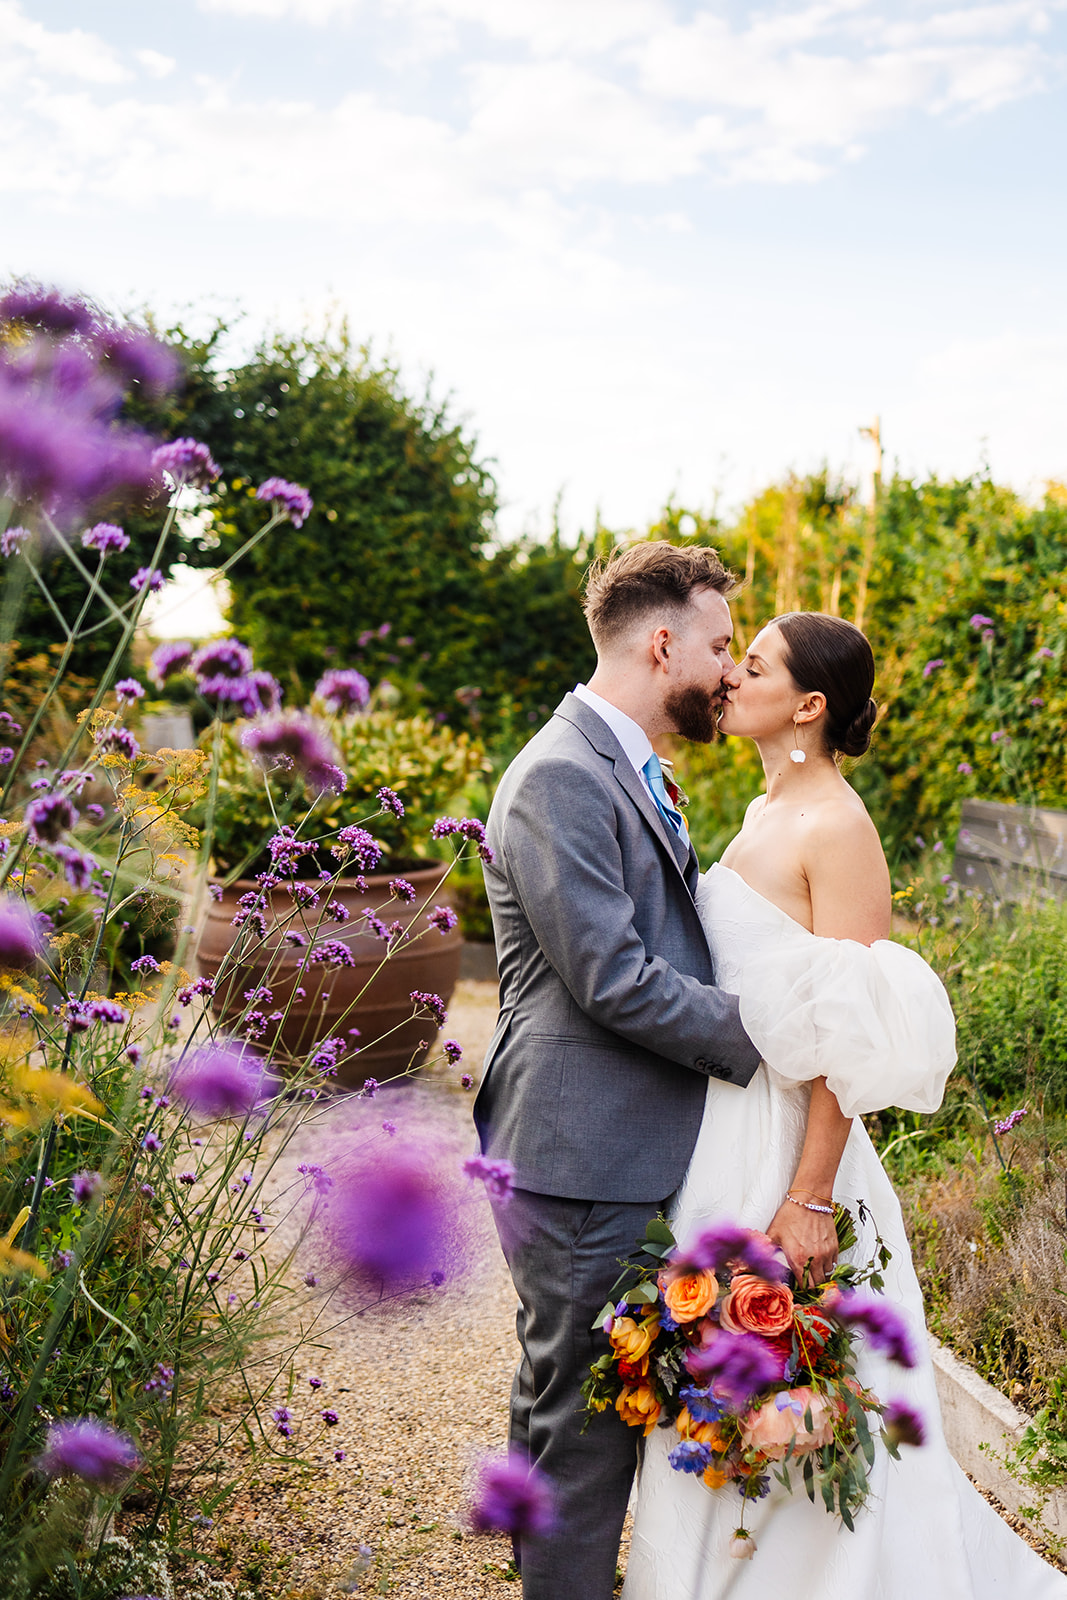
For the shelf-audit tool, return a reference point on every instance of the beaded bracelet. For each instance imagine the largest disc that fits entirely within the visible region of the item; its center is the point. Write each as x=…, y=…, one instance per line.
x=826, y=1211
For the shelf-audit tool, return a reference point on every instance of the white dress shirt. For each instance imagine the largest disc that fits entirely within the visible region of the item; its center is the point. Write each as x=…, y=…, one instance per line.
x=634, y=740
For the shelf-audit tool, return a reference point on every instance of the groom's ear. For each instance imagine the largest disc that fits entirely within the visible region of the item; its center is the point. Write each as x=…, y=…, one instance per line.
x=661, y=643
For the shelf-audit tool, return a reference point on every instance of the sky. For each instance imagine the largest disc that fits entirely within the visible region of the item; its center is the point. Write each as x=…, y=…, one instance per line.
x=648, y=248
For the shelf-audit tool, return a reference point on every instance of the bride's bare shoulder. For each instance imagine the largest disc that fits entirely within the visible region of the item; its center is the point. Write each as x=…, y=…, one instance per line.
x=846, y=870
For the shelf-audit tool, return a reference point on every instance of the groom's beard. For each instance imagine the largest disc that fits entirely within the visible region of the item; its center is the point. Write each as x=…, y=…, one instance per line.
x=695, y=712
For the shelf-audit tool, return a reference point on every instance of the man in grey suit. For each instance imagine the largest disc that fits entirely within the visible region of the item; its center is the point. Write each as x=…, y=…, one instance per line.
x=610, y=1021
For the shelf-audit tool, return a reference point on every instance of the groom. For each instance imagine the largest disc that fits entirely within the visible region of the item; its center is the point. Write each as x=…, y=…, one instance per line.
x=610, y=1021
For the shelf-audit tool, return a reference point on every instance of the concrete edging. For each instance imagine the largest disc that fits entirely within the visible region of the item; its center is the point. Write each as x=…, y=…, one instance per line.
x=973, y=1414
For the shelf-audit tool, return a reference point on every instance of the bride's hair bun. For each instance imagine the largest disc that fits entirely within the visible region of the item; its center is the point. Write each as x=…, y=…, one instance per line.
x=832, y=657
x=856, y=739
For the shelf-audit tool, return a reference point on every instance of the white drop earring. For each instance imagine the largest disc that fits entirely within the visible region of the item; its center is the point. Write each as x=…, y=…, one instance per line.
x=796, y=754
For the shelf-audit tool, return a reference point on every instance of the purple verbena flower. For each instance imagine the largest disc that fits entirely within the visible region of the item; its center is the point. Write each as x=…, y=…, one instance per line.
x=47, y=309
x=108, y=1011
x=365, y=849
x=443, y=827
x=330, y=1418
x=467, y=1081
x=453, y=1051
x=150, y=578
x=736, y=1365
x=402, y=889
x=7, y=755
x=49, y=817
x=498, y=1176
x=932, y=666
x=1045, y=654
x=903, y=1424
x=978, y=622
x=140, y=358
x=389, y=1214
x=78, y=869
x=167, y=659
x=443, y=918
x=20, y=938
x=1010, y=1122
x=965, y=768
x=86, y=1448
x=105, y=537
x=315, y=1383
x=12, y=541
x=332, y=953
x=85, y=1186
x=145, y=963
x=287, y=497
x=433, y=1003
x=343, y=691
x=219, y=1081
x=884, y=1326
x=129, y=691
x=118, y=742
x=389, y=800
x=512, y=1497
x=151, y=1142
x=293, y=736
x=186, y=461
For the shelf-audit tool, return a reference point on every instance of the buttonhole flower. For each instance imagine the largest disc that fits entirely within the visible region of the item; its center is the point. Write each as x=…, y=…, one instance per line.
x=511, y=1496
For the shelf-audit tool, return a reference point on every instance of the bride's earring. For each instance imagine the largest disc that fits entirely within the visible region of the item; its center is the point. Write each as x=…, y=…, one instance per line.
x=796, y=754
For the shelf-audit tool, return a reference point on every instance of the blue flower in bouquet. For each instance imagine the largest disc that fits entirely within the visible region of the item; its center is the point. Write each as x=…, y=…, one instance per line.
x=702, y=1404
x=689, y=1456
x=511, y=1496
x=86, y=1448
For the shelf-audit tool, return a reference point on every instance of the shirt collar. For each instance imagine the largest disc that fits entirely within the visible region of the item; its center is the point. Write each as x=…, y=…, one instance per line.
x=634, y=740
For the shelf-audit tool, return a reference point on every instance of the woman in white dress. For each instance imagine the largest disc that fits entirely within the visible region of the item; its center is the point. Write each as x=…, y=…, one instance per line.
x=798, y=918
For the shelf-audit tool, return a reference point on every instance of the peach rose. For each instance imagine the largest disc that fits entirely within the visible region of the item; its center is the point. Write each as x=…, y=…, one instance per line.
x=638, y=1407
x=779, y=1423
x=753, y=1305
x=632, y=1340
x=689, y=1295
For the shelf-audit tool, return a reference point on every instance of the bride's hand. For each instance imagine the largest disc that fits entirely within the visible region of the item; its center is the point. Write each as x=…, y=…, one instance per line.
x=809, y=1240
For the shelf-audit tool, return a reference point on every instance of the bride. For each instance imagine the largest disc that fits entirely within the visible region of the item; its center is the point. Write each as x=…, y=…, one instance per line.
x=798, y=919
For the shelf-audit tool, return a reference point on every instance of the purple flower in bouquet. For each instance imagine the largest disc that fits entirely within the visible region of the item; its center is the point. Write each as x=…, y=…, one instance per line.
x=186, y=461
x=511, y=1496
x=903, y=1424
x=737, y=1365
x=366, y=849
x=129, y=691
x=12, y=541
x=104, y=537
x=388, y=1216
x=149, y=578
x=85, y=1186
x=168, y=659
x=724, y=1242
x=343, y=691
x=1011, y=1121
x=219, y=1081
x=293, y=736
x=498, y=1176
x=884, y=1326
x=49, y=817
x=46, y=309
x=20, y=938
x=443, y=918
x=86, y=1448
x=389, y=800
x=288, y=498
x=689, y=1456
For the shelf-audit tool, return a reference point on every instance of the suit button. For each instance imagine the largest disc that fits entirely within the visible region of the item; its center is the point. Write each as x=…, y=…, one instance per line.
x=701, y=1064
x=720, y=1072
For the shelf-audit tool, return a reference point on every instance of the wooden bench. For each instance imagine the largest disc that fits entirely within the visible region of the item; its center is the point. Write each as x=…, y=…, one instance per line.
x=1011, y=852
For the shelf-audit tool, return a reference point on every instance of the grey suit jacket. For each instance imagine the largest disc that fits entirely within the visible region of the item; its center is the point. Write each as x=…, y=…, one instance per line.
x=610, y=1022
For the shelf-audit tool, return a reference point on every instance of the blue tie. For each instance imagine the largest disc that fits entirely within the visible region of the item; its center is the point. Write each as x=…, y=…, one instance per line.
x=654, y=773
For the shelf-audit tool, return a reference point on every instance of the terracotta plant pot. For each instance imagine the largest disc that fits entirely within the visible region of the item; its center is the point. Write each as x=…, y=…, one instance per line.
x=337, y=998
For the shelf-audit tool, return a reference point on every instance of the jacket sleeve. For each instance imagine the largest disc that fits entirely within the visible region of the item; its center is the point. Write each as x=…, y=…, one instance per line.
x=564, y=865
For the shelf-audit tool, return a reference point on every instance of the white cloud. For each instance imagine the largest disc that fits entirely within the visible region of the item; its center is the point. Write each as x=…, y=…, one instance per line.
x=72, y=54
x=155, y=64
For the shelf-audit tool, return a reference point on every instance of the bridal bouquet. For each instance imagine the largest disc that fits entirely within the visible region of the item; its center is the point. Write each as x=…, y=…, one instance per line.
x=755, y=1377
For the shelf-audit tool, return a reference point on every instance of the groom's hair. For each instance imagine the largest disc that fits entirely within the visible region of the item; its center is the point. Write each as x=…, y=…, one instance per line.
x=649, y=579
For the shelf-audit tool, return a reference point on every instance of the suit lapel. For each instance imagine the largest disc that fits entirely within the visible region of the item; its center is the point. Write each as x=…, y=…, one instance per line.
x=605, y=743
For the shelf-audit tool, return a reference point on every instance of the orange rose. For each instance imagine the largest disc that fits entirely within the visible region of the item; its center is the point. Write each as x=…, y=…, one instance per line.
x=779, y=1423
x=753, y=1305
x=631, y=1340
x=689, y=1295
x=638, y=1407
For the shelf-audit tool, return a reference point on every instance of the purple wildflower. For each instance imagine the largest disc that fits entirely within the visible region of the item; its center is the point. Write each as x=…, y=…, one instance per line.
x=49, y=817
x=189, y=1178
x=1045, y=654
x=20, y=939
x=107, y=1011
x=932, y=666
x=282, y=1417
x=883, y=1325
x=118, y=742
x=310, y=1279
x=145, y=963
x=315, y=1177
x=326, y=1056
x=186, y=461
x=443, y=827
x=736, y=1365
x=1037, y=701
x=343, y=691
x=85, y=1186
x=370, y=1088
x=389, y=800
x=129, y=691
x=432, y=1003
x=286, y=497
x=903, y=1424
x=149, y=578
x=12, y=541
x=45, y=308
x=139, y=358
x=1010, y=1123
x=512, y=1497
x=402, y=889
x=7, y=755
x=965, y=768
x=339, y=1455
x=168, y=659
x=330, y=1418
x=979, y=623
x=151, y=1142
x=443, y=918
x=293, y=736
x=366, y=849
x=453, y=1051
x=332, y=953
x=217, y=664
x=387, y=1217
x=77, y=868
x=467, y=1081
x=724, y=1242
x=219, y=1081
x=85, y=1448
x=498, y=1176
x=315, y=1383
x=104, y=537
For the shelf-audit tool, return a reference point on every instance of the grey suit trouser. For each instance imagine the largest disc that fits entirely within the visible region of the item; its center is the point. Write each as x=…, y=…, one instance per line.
x=564, y=1257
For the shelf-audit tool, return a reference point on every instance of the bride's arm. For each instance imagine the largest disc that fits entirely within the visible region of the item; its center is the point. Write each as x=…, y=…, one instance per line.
x=850, y=899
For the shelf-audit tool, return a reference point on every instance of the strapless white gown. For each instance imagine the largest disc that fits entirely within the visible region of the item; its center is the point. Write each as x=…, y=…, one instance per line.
x=876, y=1023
